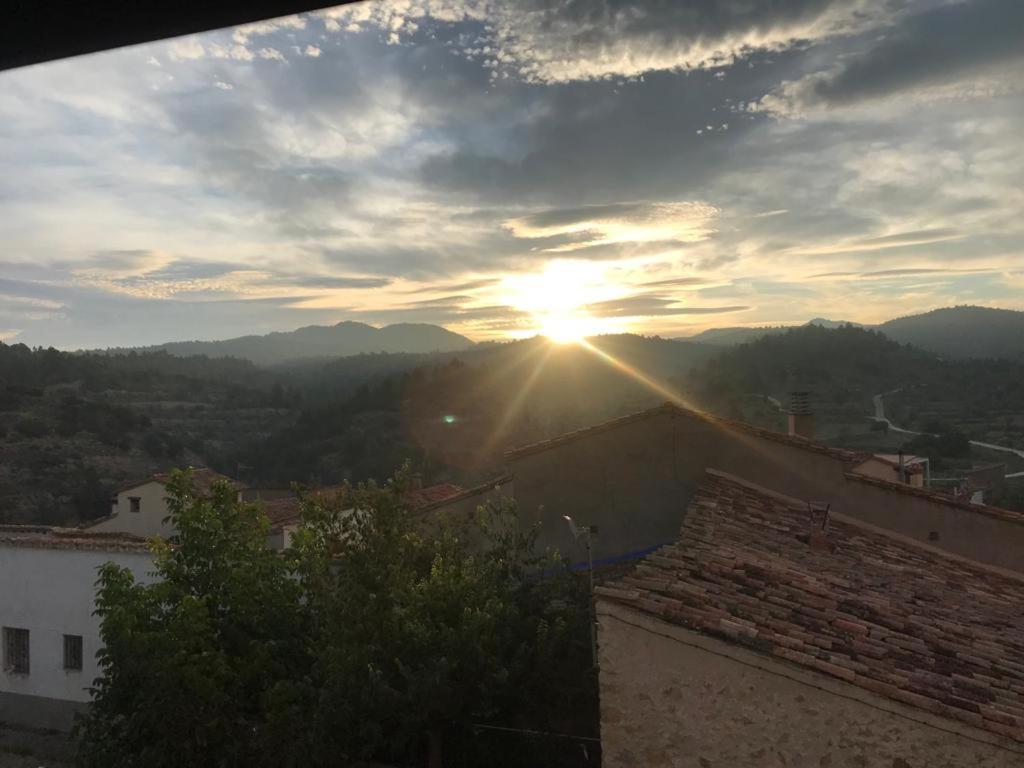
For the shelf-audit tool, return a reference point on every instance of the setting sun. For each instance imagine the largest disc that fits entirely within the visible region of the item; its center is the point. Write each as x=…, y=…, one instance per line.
x=558, y=300
x=568, y=329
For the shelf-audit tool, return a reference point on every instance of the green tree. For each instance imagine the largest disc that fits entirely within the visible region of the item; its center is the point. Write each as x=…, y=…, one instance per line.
x=425, y=626
x=200, y=666
x=379, y=634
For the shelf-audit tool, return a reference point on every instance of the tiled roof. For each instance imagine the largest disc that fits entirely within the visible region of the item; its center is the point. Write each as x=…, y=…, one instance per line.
x=895, y=617
x=48, y=537
x=469, y=493
x=421, y=498
x=202, y=480
x=287, y=511
x=849, y=458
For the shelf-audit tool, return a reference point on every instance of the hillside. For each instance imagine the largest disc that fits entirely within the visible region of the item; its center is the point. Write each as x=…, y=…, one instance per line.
x=320, y=341
x=75, y=426
x=962, y=332
x=727, y=337
x=843, y=368
x=456, y=414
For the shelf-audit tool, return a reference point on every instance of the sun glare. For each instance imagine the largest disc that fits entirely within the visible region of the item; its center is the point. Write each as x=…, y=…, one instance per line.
x=559, y=298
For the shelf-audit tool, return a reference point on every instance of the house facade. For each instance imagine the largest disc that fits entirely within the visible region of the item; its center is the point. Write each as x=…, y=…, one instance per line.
x=141, y=509
x=48, y=633
x=769, y=633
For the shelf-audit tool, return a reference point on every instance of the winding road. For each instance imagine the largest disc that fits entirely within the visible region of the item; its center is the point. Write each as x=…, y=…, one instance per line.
x=879, y=403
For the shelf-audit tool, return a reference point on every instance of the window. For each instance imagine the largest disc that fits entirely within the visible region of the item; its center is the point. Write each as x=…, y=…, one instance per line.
x=73, y=652
x=134, y=504
x=16, y=650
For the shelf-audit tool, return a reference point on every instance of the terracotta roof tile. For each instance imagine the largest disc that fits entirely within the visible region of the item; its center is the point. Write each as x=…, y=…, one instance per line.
x=202, y=479
x=896, y=617
x=287, y=511
x=49, y=537
x=421, y=498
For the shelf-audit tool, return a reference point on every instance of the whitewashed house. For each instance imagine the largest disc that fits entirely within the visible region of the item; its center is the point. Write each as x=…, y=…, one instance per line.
x=141, y=509
x=48, y=633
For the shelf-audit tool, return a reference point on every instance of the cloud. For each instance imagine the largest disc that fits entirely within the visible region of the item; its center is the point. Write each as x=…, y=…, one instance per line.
x=653, y=305
x=559, y=41
x=431, y=153
x=674, y=282
x=243, y=33
x=271, y=54
x=663, y=222
x=964, y=49
x=185, y=49
x=886, y=242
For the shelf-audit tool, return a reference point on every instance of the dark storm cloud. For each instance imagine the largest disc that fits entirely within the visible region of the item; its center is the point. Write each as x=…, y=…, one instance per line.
x=561, y=217
x=934, y=47
x=559, y=41
x=598, y=143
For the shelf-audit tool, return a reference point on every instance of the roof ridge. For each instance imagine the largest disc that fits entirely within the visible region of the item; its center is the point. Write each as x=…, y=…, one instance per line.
x=902, y=539
x=677, y=408
x=982, y=509
x=467, y=493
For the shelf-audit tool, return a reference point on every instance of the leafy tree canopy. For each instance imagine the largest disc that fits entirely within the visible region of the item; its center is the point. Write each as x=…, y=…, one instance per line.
x=379, y=634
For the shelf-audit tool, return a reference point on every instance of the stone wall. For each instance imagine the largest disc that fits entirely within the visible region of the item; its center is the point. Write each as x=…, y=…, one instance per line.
x=671, y=697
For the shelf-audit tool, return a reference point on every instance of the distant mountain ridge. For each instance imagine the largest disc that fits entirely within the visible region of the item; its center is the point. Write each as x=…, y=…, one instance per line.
x=741, y=334
x=962, y=332
x=320, y=341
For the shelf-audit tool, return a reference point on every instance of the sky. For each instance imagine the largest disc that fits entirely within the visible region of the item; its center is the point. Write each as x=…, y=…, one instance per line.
x=507, y=168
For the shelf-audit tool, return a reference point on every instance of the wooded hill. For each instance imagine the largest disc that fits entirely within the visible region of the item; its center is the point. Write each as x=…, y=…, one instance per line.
x=955, y=332
x=75, y=426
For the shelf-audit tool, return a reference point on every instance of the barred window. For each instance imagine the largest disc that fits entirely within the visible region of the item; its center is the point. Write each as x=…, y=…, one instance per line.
x=16, y=658
x=73, y=652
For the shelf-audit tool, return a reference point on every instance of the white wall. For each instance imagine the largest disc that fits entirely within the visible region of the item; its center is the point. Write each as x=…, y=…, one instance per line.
x=51, y=593
x=148, y=521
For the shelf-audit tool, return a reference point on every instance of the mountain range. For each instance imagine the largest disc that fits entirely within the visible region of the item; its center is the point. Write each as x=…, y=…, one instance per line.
x=320, y=341
x=963, y=332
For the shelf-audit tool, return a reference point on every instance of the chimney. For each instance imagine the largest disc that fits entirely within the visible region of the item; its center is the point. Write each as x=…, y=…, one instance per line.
x=801, y=420
x=817, y=537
